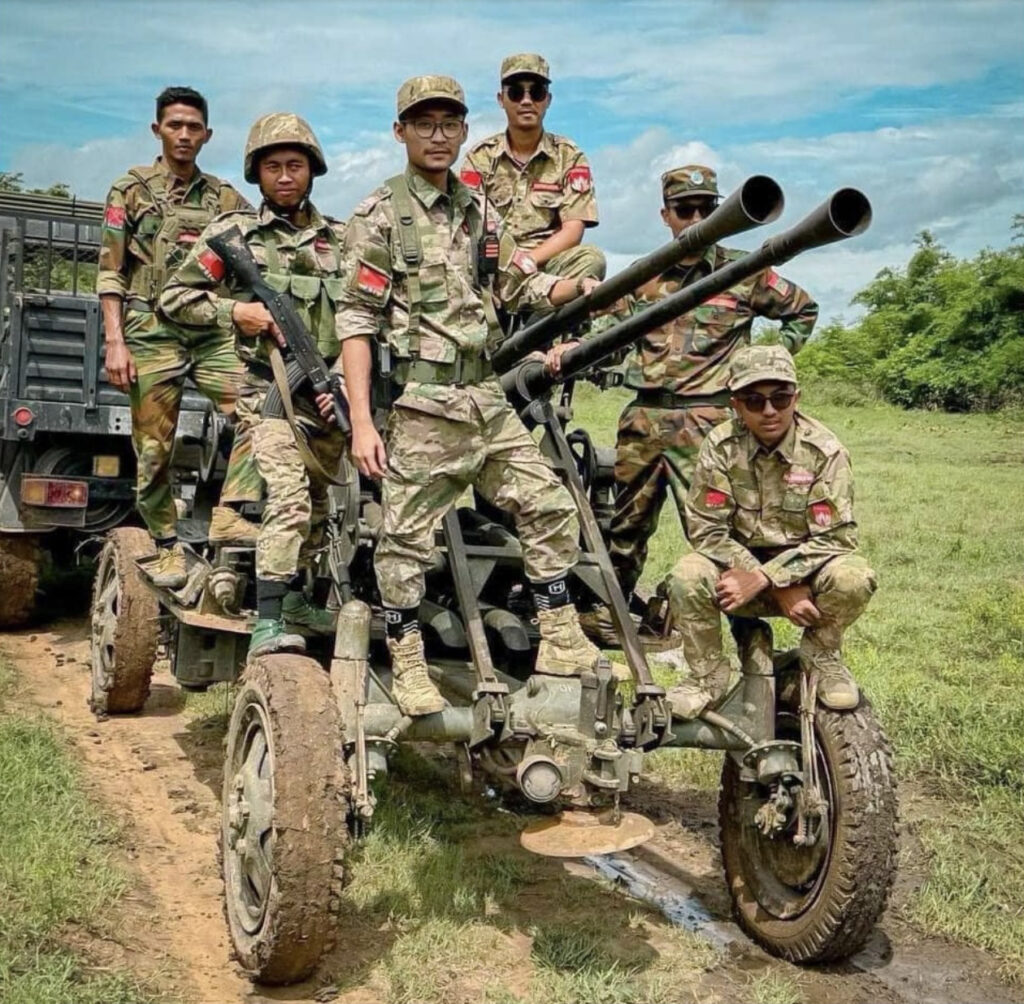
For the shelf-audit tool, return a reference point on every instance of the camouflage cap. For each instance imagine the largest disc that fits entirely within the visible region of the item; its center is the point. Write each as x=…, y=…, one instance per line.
x=282, y=129
x=430, y=87
x=693, y=179
x=525, y=62
x=756, y=363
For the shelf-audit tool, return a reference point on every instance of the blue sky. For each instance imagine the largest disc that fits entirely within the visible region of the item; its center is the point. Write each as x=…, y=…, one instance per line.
x=921, y=104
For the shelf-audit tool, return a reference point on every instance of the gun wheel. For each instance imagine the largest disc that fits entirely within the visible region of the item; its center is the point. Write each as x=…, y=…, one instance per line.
x=125, y=625
x=818, y=903
x=19, y=573
x=284, y=828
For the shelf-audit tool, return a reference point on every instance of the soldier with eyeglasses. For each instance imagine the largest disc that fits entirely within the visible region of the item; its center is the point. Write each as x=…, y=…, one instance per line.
x=679, y=373
x=540, y=183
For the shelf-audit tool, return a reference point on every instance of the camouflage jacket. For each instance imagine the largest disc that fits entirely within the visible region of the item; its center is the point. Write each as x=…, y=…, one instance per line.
x=151, y=221
x=302, y=261
x=785, y=511
x=450, y=293
x=534, y=199
x=690, y=355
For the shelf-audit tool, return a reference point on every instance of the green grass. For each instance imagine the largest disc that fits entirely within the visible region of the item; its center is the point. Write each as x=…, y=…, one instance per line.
x=55, y=870
x=940, y=651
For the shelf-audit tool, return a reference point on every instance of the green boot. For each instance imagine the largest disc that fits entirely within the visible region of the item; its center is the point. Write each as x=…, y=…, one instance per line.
x=269, y=636
x=298, y=612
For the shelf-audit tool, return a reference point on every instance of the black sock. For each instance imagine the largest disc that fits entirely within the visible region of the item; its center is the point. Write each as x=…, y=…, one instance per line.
x=269, y=597
x=552, y=594
x=165, y=541
x=400, y=621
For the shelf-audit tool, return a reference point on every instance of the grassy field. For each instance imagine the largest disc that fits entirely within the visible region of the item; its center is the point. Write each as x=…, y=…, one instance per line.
x=55, y=871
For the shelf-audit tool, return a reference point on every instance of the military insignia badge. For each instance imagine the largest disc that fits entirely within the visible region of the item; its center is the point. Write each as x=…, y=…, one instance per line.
x=777, y=282
x=371, y=280
x=578, y=179
x=471, y=178
x=821, y=513
x=188, y=236
x=696, y=177
x=211, y=263
x=321, y=245
x=545, y=186
x=714, y=499
x=524, y=262
x=798, y=477
x=114, y=217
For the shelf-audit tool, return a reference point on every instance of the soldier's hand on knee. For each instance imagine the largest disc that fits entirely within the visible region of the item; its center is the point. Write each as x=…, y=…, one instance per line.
x=253, y=320
x=120, y=365
x=368, y=453
x=797, y=604
x=736, y=587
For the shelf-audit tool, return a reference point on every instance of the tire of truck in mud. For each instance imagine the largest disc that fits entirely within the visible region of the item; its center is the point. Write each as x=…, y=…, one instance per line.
x=817, y=904
x=284, y=825
x=125, y=625
x=19, y=572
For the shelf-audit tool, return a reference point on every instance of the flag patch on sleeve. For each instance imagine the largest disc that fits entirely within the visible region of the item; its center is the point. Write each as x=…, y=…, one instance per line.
x=821, y=513
x=470, y=177
x=578, y=179
x=777, y=283
x=371, y=280
x=114, y=217
x=714, y=499
x=211, y=263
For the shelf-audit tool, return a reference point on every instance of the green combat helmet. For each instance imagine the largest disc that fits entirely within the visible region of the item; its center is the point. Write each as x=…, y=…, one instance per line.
x=282, y=129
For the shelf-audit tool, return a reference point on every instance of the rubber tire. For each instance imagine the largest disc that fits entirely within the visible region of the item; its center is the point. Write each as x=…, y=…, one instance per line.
x=858, y=872
x=20, y=556
x=123, y=656
x=309, y=836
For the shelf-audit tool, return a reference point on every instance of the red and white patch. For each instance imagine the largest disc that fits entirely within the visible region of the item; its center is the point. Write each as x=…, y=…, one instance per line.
x=578, y=179
x=114, y=217
x=471, y=178
x=371, y=280
x=722, y=300
x=188, y=236
x=777, y=282
x=821, y=513
x=545, y=186
x=212, y=264
x=524, y=263
x=714, y=499
x=798, y=477
x=321, y=245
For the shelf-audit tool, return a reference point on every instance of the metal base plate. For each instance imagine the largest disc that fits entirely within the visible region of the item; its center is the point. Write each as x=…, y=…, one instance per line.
x=578, y=834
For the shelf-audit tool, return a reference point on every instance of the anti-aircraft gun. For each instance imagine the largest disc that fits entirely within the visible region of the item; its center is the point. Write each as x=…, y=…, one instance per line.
x=807, y=811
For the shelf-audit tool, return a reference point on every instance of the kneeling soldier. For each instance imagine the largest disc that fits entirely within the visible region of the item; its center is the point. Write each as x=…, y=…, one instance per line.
x=770, y=517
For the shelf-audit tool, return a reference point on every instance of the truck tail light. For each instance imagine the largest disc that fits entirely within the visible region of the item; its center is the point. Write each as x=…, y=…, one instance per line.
x=23, y=416
x=60, y=493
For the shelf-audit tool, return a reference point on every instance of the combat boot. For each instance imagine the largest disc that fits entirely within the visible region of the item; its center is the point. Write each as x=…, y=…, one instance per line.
x=168, y=570
x=837, y=688
x=599, y=627
x=269, y=636
x=298, y=612
x=413, y=689
x=708, y=682
x=230, y=527
x=564, y=649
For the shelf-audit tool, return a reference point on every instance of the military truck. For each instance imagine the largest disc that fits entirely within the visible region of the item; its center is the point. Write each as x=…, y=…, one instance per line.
x=67, y=469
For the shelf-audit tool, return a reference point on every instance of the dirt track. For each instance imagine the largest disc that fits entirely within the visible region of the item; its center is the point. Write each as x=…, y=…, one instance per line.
x=159, y=775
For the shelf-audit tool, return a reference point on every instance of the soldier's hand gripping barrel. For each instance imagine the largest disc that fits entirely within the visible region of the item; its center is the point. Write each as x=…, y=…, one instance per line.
x=756, y=202
x=844, y=214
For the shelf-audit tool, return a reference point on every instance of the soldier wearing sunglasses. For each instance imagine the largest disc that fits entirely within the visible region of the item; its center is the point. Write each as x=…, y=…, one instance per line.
x=539, y=183
x=770, y=518
x=679, y=373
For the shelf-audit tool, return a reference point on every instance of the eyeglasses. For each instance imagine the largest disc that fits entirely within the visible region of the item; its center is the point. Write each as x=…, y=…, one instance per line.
x=516, y=91
x=685, y=210
x=427, y=128
x=780, y=400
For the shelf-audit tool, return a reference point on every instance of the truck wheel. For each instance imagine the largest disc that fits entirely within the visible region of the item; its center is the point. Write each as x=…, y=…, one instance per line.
x=19, y=573
x=125, y=625
x=818, y=903
x=284, y=827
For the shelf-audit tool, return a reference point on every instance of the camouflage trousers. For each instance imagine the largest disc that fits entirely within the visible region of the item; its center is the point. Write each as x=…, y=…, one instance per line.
x=655, y=450
x=164, y=356
x=841, y=589
x=432, y=460
x=297, y=505
x=580, y=262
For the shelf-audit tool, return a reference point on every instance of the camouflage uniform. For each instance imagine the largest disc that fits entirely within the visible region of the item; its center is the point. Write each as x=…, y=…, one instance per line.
x=151, y=221
x=787, y=511
x=534, y=199
x=680, y=374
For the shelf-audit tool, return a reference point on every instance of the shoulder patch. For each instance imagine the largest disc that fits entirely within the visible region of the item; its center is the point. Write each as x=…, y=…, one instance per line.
x=715, y=499
x=113, y=217
x=776, y=282
x=470, y=177
x=578, y=179
x=212, y=265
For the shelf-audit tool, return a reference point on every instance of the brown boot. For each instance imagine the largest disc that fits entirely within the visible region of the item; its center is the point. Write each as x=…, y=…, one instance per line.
x=168, y=570
x=230, y=527
x=837, y=688
x=564, y=649
x=413, y=689
x=707, y=683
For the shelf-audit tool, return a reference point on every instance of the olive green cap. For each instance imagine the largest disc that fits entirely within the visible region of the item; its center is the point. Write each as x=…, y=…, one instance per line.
x=281, y=129
x=693, y=179
x=525, y=62
x=430, y=87
x=756, y=363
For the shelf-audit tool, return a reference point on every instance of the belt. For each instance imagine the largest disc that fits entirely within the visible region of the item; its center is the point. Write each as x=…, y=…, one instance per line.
x=669, y=399
x=137, y=303
x=465, y=371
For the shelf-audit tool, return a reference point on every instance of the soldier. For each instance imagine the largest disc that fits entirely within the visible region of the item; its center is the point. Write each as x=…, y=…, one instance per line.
x=299, y=252
x=770, y=518
x=414, y=282
x=153, y=216
x=679, y=373
x=539, y=183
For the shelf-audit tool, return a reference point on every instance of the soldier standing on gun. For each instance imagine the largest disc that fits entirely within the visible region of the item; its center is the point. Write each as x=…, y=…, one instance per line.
x=770, y=518
x=679, y=373
x=153, y=217
x=299, y=252
x=415, y=281
x=539, y=183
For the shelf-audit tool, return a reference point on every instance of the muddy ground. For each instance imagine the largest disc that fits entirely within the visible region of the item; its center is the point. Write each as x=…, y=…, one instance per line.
x=158, y=774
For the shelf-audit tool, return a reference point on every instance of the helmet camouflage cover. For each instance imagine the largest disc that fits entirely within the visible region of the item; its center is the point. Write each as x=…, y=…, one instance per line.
x=282, y=129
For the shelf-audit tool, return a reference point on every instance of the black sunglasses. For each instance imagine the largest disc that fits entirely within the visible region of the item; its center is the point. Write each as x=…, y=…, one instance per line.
x=685, y=210
x=516, y=90
x=780, y=400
